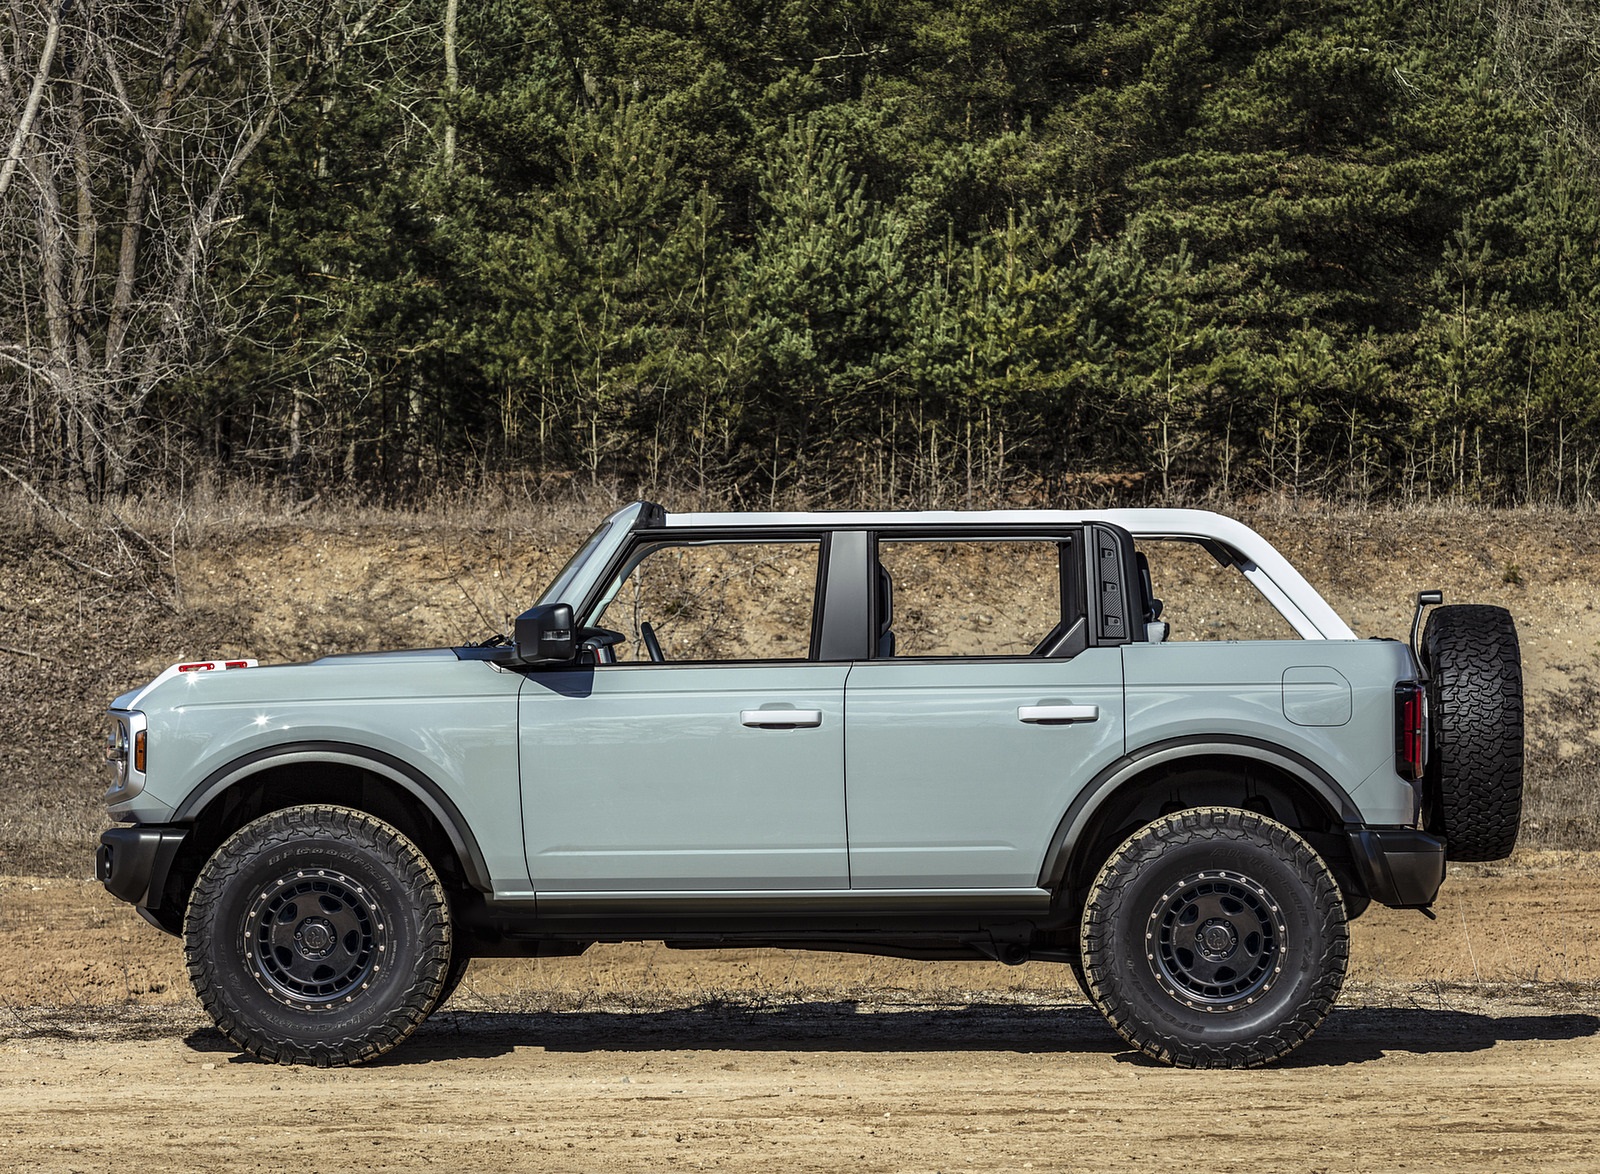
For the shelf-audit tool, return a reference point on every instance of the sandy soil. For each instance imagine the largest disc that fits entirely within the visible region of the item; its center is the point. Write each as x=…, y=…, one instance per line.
x=1469, y=1043
x=1459, y=1083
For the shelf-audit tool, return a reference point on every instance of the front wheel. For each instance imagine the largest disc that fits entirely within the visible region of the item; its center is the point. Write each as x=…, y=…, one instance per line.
x=1214, y=938
x=318, y=935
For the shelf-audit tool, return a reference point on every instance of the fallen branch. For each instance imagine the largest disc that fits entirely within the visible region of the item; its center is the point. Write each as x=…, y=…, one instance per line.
x=42, y=500
x=82, y=566
x=128, y=528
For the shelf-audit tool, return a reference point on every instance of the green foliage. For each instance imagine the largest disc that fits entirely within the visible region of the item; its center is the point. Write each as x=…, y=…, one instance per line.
x=924, y=250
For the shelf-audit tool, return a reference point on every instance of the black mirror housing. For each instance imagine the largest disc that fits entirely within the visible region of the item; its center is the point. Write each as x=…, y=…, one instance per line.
x=544, y=634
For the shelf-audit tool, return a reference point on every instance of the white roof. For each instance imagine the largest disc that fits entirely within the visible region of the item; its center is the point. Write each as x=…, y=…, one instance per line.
x=1258, y=559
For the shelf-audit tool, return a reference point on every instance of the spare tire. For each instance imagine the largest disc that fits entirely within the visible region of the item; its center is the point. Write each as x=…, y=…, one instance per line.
x=1474, y=666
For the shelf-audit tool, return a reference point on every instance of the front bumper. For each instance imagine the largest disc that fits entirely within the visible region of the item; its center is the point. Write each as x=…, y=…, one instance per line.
x=1399, y=867
x=133, y=862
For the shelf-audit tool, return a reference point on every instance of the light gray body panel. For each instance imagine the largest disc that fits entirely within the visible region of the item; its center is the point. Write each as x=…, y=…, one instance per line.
x=1248, y=689
x=948, y=785
x=452, y=721
x=916, y=776
x=641, y=777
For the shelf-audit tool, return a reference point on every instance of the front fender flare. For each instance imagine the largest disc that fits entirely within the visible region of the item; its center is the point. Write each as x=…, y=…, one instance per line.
x=1121, y=772
x=405, y=776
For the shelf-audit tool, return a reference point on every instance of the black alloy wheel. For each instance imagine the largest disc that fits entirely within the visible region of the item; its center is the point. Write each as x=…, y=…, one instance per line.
x=313, y=939
x=1218, y=940
x=1214, y=938
x=318, y=935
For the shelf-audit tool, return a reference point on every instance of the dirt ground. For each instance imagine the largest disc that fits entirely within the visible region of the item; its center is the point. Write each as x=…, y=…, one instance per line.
x=1460, y=1082
x=1470, y=1043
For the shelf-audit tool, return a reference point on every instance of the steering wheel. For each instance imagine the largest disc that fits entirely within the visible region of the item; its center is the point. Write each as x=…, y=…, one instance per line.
x=647, y=633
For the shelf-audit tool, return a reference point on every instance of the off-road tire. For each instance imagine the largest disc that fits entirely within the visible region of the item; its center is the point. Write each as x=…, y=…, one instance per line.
x=1076, y=966
x=1214, y=938
x=1474, y=666
x=318, y=935
x=458, y=970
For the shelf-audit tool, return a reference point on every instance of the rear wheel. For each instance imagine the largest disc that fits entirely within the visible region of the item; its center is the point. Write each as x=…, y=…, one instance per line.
x=318, y=935
x=1214, y=938
x=1474, y=664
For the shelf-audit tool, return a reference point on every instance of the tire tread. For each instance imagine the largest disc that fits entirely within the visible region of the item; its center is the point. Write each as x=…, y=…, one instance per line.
x=417, y=876
x=1475, y=663
x=1138, y=854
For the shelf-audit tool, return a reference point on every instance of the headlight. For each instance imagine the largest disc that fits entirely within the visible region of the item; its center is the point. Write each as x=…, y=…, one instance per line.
x=125, y=755
x=117, y=741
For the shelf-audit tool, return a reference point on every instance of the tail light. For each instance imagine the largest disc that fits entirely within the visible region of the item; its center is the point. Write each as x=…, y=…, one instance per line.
x=1410, y=730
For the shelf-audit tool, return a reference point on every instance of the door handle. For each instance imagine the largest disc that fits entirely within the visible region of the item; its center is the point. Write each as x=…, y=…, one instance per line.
x=1057, y=714
x=780, y=719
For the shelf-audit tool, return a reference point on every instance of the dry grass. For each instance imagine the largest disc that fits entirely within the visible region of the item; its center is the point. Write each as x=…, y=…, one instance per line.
x=1561, y=805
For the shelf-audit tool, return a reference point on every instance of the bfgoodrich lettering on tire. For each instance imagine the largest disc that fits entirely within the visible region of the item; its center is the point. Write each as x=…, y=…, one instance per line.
x=1475, y=691
x=317, y=935
x=1214, y=938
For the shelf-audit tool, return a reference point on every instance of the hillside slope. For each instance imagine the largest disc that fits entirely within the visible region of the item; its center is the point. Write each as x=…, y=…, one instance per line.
x=88, y=613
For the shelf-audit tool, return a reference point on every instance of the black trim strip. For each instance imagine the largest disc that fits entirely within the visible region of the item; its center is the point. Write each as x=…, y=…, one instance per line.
x=397, y=770
x=863, y=903
x=1125, y=771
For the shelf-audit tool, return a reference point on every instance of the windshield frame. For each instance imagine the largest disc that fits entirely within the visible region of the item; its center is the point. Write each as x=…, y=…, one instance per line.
x=569, y=570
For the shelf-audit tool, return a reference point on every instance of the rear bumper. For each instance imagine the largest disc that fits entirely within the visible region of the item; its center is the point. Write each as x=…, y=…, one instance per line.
x=133, y=862
x=1400, y=867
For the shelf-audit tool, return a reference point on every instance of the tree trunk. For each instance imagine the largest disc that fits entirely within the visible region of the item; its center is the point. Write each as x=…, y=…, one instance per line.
x=452, y=84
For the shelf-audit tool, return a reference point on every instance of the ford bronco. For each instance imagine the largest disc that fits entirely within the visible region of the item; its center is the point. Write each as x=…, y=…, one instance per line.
x=936, y=735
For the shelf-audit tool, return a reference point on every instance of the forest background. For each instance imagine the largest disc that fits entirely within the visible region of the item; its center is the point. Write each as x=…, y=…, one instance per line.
x=927, y=252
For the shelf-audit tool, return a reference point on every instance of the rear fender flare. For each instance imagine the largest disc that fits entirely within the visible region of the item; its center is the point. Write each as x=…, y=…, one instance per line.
x=1127, y=770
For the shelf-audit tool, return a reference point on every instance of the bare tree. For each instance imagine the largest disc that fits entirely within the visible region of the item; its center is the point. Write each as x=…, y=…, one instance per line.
x=1551, y=48
x=132, y=122
x=452, y=82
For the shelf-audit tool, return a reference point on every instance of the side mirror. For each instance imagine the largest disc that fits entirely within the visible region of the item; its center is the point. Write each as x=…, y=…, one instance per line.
x=544, y=634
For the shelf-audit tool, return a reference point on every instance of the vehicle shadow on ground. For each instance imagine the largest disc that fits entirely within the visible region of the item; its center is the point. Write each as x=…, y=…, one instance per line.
x=1359, y=1035
x=1350, y=1036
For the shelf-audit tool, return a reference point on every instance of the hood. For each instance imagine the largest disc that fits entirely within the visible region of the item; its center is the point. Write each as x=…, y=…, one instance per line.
x=247, y=678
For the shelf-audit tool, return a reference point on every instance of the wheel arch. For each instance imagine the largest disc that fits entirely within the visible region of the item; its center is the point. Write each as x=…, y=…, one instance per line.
x=1168, y=776
x=333, y=772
